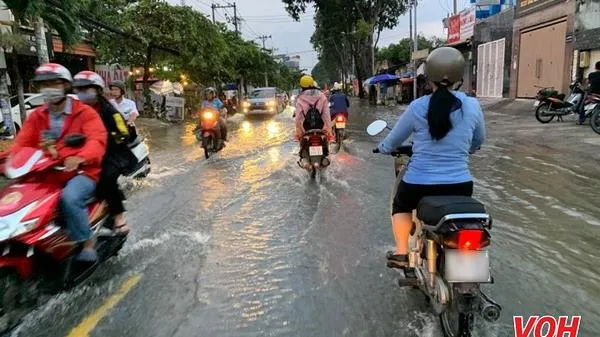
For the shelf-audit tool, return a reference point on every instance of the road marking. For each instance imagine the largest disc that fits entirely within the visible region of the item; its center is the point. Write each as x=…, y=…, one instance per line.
x=89, y=323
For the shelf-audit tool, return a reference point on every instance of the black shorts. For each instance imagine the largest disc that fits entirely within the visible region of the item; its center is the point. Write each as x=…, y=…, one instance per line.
x=408, y=195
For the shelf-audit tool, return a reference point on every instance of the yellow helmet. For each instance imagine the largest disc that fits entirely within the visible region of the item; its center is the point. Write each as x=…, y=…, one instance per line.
x=306, y=81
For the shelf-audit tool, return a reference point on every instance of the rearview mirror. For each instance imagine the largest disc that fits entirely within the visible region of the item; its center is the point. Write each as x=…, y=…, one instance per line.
x=75, y=140
x=376, y=127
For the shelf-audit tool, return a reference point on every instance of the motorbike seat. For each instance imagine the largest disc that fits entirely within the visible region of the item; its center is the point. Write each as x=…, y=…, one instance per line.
x=555, y=100
x=431, y=210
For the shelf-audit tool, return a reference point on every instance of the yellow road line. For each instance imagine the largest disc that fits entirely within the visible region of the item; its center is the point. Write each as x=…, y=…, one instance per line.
x=89, y=323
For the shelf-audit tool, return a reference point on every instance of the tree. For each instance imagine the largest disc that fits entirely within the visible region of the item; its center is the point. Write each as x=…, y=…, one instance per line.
x=59, y=16
x=400, y=53
x=358, y=20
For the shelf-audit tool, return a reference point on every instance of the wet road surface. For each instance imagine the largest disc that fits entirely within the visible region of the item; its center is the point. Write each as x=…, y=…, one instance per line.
x=245, y=244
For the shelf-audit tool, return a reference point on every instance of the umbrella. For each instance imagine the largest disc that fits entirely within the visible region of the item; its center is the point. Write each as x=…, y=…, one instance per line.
x=381, y=78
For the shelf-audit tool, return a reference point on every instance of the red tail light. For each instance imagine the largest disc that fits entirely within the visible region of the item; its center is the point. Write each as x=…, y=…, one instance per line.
x=340, y=118
x=315, y=140
x=468, y=239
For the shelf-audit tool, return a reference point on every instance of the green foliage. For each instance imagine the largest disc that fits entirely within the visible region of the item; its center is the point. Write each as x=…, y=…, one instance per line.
x=400, y=53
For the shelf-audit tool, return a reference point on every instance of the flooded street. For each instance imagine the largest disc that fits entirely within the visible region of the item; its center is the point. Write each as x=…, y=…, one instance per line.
x=245, y=244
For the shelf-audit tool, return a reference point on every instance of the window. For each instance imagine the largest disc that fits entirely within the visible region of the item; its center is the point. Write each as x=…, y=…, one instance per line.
x=262, y=93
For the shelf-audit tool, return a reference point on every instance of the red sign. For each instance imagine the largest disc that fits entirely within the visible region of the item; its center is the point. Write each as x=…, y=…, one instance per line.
x=453, y=29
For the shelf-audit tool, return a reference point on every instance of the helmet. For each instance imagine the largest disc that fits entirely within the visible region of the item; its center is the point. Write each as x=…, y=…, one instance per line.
x=307, y=81
x=118, y=84
x=211, y=90
x=52, y=71
x=88, y=78
x=445, y=63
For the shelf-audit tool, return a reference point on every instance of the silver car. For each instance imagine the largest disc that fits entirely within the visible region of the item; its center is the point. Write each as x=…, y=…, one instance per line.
x=264, y=101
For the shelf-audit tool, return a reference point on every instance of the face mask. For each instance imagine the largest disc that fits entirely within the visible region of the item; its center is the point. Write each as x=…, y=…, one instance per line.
x=87, y=96
x=53, y=95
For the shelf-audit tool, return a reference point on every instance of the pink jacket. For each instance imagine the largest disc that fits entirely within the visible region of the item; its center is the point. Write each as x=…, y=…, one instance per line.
x=316, y=98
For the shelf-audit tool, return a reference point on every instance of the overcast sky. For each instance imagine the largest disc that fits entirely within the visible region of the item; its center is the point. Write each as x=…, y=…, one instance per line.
x=268, y=17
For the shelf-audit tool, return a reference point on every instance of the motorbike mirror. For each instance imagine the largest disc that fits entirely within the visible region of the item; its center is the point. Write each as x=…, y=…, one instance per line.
x=75, y=140
x=376, y=127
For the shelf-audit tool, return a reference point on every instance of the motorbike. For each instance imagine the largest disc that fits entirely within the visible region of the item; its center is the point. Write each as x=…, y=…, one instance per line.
x=36, y=253
x=139, y=148
x=208, y=132
x=594, y=106
x=550, y=104
x=339, y=129
x=311, y=153
x=449, y=256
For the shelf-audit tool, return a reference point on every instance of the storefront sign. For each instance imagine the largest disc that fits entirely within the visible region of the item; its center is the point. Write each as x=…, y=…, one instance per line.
x=113, y=72
x=461, y=26
x=420, y=54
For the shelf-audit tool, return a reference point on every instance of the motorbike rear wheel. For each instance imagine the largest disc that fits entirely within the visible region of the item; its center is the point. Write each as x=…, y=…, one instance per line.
x=595, y=120
x=339, y=138
x=541, y=113
x=456, y=323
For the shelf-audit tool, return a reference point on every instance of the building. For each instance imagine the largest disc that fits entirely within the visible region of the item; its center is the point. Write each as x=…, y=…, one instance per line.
x=587, y=37
x=460, y=35
x=542, y=46
x=492, y=43
x=293, y=62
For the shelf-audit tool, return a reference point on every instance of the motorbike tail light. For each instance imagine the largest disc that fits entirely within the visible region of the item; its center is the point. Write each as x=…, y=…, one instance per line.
x=468, y=239
x=340, y=118
x=315, y=140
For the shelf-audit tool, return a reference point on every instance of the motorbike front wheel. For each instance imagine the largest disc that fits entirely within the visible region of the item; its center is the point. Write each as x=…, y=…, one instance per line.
x=542, y=113
x=207, y=145
x=595, y=120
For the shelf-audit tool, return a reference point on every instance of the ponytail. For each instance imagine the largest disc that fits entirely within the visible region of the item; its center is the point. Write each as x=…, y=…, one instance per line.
x=441, y=105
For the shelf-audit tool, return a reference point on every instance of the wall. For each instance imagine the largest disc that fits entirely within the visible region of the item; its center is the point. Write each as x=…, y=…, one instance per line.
x=587, y=25
x=494, y=28
x=537, y=13
x=594, y=57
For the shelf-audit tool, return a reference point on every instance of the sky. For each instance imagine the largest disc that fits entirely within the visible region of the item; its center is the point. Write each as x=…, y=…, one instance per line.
x=268, y=17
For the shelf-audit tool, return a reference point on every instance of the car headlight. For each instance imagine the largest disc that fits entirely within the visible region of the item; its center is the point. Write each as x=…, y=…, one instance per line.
x=271, y=103
x=246, y=104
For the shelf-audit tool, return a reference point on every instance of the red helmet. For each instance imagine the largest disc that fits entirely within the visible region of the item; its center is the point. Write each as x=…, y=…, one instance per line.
x=52, y=71
x=88, y=78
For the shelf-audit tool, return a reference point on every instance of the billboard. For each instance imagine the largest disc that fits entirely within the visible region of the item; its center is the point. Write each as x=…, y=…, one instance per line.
x=461, y=26
x=453, y=29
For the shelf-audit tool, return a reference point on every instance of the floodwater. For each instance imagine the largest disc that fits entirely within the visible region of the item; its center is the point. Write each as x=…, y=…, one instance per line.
x=245, y=244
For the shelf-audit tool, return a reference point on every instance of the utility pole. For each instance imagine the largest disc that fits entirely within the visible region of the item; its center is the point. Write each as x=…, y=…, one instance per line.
x=264, y=38
x=235, y=17
x=455, y=7
x=415, y=48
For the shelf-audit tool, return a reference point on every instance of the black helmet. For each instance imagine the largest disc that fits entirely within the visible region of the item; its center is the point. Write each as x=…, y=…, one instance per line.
x=445, y=64
x=118, y=84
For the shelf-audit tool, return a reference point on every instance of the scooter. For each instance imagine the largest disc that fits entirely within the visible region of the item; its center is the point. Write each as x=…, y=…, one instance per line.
x=312, y=155
x=35, y=251
x=550, y=104
x=208, y=132
x=140, y=149
x=449, y=256
x=339, y=130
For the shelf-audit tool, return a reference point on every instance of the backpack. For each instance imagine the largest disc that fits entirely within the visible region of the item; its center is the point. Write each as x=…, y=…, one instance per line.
x=312, y=119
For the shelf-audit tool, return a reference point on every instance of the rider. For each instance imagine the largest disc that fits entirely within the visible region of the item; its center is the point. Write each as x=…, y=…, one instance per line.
x=89, y=87
x=312, y=101
x=126, y=107
x=594, y=88
x=339, y=102
x=50, y=123
x=446, y=126
x=212, y=101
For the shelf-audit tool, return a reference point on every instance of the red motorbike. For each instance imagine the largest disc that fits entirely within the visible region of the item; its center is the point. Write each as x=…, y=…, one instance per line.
x=313, y=156
x=208, y=132
x=35, y=251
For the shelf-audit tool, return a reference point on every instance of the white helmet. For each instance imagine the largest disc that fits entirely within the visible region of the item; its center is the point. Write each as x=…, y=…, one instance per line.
x=88, y=78
x=52, y=71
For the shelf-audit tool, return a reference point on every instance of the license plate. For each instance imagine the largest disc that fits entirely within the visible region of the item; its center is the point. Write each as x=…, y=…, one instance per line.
x=536, y=103
x=340, y=125
x=315, y=150
x=467, y=266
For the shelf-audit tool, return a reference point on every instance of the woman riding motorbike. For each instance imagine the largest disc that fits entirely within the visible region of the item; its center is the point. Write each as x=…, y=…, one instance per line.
x=446, y=126
x=212, y=101
x=89, y=88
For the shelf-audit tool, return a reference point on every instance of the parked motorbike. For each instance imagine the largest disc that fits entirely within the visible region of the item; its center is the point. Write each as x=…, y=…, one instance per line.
x=594, y=105
x=550, y=104
x=208, y=133
x=339, y=130
x=36, y=253
x=448, y=259
x=312, y=155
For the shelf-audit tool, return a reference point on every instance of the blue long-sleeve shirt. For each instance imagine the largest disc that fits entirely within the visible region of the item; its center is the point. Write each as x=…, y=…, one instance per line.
x=445, y=161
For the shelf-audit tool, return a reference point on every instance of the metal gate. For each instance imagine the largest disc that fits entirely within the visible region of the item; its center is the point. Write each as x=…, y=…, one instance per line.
x=490, y=68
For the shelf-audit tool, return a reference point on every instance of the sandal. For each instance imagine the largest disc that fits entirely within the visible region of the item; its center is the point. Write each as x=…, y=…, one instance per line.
x=396, y=260
x=120, y=231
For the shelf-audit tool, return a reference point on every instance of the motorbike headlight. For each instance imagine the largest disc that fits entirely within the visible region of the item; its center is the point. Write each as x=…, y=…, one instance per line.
x=246, y=104
x=208, y=115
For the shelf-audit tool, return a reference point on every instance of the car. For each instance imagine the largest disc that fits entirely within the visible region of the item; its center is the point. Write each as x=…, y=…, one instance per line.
x=265, y=101
x=293, y=95
x=32, y=101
